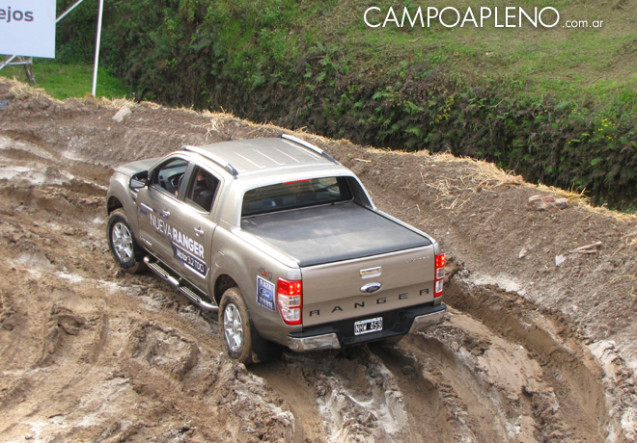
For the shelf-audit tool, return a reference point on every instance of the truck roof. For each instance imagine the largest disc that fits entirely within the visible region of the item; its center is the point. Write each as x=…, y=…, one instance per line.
x=241, y=157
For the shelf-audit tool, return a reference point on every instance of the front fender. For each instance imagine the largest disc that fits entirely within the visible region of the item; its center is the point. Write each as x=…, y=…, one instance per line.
x=119, y=195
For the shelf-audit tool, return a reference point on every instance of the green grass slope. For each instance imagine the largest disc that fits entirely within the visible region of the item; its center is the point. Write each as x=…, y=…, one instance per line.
x=65, y=80
x=570, y=61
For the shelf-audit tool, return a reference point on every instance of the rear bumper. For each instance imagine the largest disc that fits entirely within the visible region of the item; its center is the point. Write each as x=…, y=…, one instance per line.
x=422, y=322
x=341, y=334
x=314, y=343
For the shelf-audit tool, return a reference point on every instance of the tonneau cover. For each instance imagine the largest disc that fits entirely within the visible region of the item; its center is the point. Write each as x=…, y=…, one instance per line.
x=330, y=233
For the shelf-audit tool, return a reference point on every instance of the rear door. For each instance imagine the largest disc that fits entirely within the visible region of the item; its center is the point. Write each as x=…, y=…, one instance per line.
x=192, y=248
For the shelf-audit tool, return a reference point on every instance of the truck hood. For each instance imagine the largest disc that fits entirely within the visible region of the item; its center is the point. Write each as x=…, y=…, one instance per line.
x=131, y=168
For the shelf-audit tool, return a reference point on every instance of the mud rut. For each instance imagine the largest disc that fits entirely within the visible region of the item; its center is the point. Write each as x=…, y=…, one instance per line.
x=495, y=375
x=91, y=353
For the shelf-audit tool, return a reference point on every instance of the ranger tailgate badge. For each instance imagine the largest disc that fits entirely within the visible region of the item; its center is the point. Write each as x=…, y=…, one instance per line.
x=370, y=288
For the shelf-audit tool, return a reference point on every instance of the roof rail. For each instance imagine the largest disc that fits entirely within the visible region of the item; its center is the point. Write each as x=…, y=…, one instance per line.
x=210, y=156
x=309, y=146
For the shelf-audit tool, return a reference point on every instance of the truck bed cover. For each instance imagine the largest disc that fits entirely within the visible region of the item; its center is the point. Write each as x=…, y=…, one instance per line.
x=353, y=232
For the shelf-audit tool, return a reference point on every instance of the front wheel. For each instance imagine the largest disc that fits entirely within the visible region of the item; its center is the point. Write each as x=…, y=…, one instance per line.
x=122, y=242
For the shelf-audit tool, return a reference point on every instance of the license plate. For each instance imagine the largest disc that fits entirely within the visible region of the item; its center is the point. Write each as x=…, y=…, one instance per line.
x=369, y=325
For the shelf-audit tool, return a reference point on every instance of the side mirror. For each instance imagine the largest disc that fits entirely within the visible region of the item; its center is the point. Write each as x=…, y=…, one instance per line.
x=136, y=184
x=138, y=181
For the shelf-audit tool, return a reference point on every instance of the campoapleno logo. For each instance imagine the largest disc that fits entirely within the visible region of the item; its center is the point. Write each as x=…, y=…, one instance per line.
x=478, y=17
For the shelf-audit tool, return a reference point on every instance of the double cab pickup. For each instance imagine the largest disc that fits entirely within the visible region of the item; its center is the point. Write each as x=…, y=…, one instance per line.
x=281, y=240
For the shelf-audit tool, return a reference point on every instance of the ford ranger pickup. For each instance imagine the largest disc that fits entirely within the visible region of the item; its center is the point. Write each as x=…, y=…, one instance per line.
x=281, y=240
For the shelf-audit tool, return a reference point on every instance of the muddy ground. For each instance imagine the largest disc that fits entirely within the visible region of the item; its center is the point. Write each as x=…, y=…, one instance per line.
x=540, y=343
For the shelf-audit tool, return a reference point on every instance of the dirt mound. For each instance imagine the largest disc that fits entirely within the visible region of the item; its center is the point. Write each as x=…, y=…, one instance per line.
x=539, y=345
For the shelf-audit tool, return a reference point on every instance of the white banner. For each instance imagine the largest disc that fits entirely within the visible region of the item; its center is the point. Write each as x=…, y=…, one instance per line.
x=27, y=27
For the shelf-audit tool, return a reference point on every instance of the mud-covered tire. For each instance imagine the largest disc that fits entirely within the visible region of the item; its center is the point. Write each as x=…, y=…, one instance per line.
x=241, y=339
x=235, y=326
x=121, y=241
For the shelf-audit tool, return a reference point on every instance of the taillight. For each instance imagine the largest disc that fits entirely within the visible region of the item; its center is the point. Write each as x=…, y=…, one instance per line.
x=289, y=298
x=439, y=274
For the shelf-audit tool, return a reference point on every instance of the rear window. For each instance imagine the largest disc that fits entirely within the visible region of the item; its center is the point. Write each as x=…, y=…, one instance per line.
x=297, y=194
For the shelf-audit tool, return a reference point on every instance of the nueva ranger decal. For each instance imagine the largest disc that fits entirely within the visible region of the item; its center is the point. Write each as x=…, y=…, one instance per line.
x=186, y=250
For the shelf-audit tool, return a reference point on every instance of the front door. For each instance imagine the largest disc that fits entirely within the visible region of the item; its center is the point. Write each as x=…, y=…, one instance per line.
x=159, y=205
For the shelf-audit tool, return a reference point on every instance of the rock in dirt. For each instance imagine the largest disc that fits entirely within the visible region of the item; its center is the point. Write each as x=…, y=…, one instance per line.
x=544, y=202
x=124, y=112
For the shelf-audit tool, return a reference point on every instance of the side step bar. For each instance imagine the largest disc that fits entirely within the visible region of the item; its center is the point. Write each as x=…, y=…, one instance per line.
x=157, y=268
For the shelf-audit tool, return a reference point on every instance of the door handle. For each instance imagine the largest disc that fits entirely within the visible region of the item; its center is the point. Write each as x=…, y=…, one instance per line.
x=198, y=231
x=164, y=213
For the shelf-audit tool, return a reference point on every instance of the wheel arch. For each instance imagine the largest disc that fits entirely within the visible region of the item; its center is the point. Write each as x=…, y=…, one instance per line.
x=112, y=204
x=222, y=284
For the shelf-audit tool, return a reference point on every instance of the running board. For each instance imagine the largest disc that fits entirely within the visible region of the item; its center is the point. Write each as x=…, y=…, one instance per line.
x=157, y=268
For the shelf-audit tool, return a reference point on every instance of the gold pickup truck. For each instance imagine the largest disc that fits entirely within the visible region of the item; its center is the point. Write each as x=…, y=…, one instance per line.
x=279, y=238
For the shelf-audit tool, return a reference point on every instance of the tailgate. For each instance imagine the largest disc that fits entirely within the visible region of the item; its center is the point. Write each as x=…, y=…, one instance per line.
x=366, y=286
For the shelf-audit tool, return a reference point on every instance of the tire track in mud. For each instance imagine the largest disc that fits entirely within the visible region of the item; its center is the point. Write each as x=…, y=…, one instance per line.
x=351, y=395
x=467, y=380
x=498, y=370
x=90, y=353
x=568, y=368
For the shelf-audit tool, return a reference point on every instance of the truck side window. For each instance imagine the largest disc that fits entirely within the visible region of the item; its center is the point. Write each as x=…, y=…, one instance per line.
x=202, y=189
x=169, y=175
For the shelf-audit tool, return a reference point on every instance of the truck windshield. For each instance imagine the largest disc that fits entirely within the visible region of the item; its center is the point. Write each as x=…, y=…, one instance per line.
x=296, y=194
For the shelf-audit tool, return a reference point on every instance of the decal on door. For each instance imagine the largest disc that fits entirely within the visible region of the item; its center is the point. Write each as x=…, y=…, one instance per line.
x=188, y=251
x=190, y=261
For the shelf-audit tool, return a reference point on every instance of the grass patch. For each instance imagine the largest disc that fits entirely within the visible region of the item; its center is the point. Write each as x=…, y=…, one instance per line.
x=583, y=64
x=64, y=81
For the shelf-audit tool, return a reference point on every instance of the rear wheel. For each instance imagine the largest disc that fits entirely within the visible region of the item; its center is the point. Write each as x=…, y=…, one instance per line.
x=243, y=342
x=122, y=242
x=234, y=323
